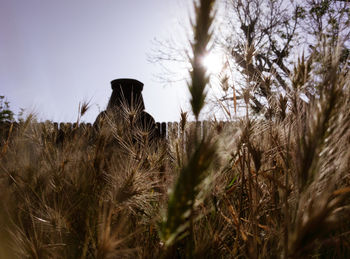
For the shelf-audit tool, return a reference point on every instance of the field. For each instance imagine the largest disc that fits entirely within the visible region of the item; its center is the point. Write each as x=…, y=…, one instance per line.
x=272, y=185
x=250, y=188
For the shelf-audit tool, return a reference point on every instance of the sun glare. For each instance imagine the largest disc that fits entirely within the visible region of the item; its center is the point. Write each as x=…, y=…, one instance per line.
x=213, y=62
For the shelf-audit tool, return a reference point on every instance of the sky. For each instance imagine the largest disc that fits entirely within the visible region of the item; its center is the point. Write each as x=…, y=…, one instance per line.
x=57, y=53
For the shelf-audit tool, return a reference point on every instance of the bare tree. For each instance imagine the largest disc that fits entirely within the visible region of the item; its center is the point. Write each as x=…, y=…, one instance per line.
x=262, y=39
x=263, y=36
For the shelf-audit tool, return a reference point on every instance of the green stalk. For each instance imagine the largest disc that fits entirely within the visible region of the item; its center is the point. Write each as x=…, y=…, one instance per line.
x=202, y=36
x=179, y=222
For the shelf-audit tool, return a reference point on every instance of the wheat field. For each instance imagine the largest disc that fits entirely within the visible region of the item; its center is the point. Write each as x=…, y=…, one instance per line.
x=256, y=187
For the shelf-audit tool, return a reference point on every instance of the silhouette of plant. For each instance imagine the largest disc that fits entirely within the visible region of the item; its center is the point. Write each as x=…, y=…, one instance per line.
x=6, y=115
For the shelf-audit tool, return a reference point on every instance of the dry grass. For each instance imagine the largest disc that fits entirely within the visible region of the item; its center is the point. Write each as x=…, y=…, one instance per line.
x=254, y=188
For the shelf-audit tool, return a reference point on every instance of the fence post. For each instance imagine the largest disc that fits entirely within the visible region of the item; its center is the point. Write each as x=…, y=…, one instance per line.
x=158, y=132
x=163, y=130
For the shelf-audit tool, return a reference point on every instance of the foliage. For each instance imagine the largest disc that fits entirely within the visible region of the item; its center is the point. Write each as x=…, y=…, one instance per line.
x=6, y=115
x=255, y=187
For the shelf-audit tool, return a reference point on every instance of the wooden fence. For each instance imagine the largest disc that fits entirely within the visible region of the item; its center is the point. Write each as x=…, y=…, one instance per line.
x=164, y=130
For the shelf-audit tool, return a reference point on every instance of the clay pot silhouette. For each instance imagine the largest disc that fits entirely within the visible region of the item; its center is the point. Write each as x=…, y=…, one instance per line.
x=126, y=92
x=126, y=98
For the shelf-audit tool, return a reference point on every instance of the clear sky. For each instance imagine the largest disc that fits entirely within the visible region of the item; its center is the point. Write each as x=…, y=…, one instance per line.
x=56, y=53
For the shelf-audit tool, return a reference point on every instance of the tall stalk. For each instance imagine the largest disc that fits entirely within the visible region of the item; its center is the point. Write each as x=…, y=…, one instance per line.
x=202, y=37
x=201, y=152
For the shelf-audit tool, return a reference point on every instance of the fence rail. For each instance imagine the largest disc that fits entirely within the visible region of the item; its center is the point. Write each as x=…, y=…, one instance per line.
x=165, y=130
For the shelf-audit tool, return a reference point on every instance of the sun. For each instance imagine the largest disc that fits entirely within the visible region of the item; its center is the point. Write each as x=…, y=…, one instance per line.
x=213, y=62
